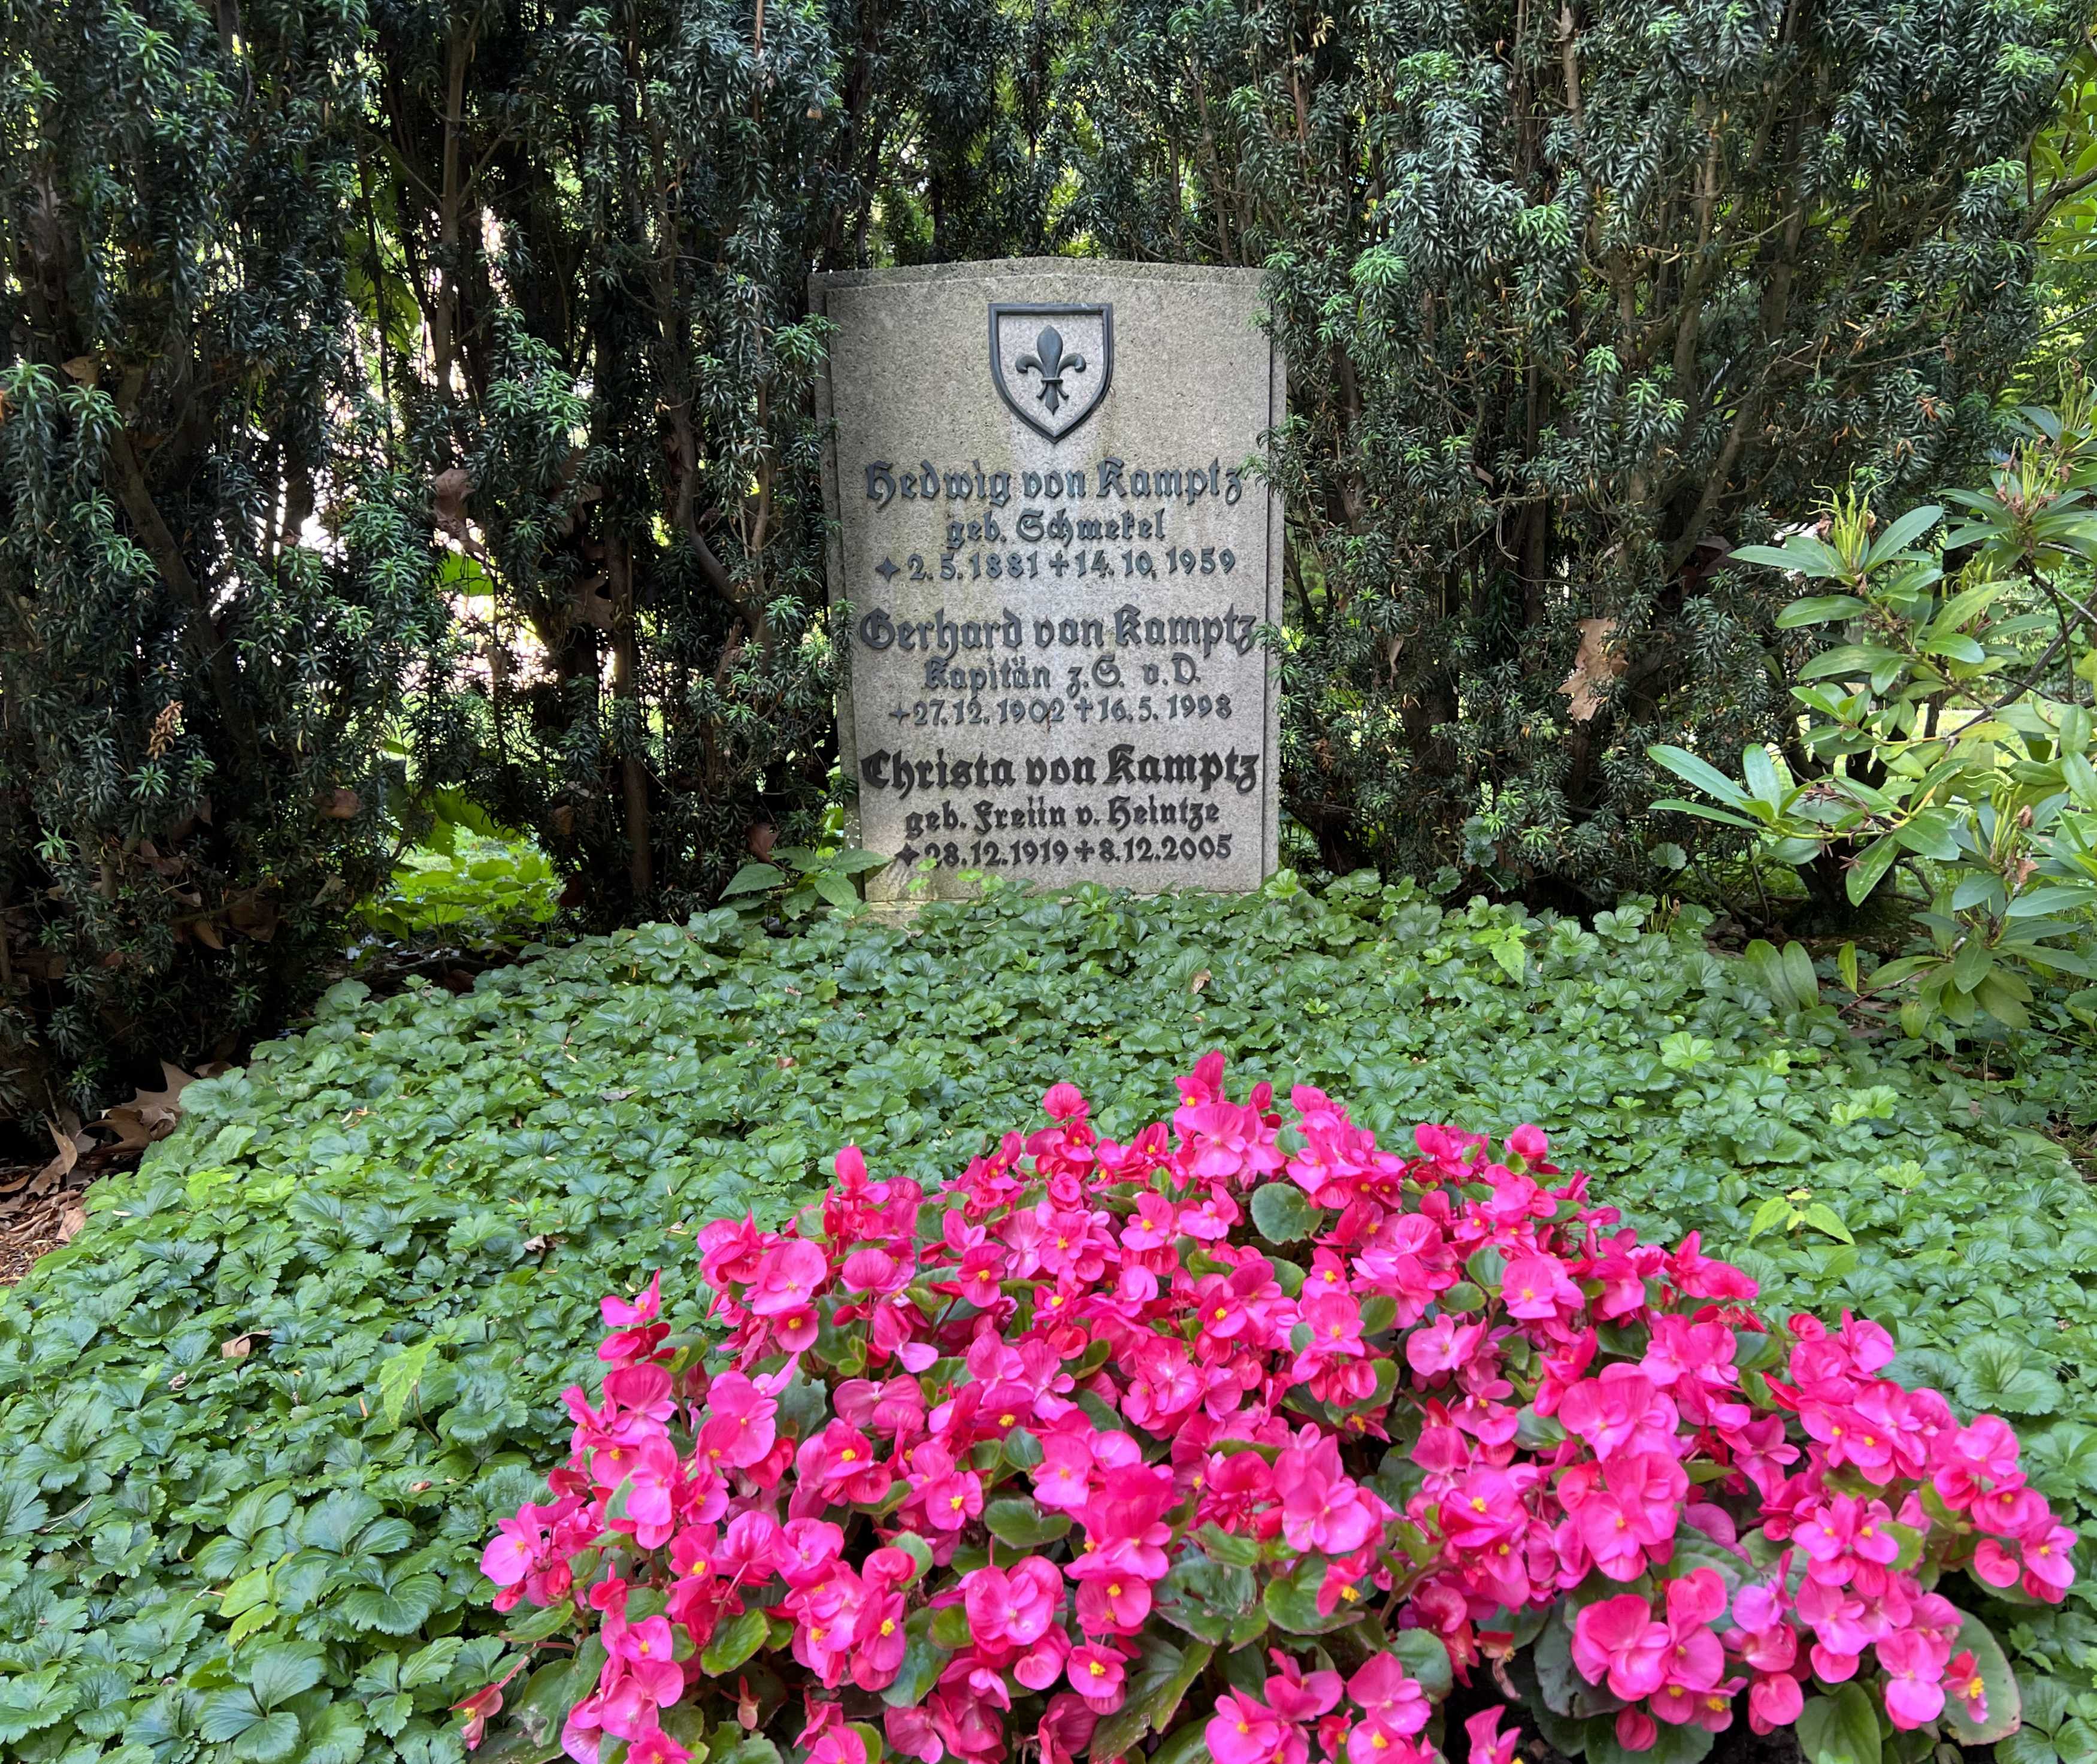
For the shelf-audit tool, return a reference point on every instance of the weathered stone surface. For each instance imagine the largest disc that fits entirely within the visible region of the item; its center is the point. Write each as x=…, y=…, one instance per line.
x=1056, y=561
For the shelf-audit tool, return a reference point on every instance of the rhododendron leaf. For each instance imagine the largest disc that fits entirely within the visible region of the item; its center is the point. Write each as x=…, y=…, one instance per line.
x=1025, y=1526
x=1205, y=1597
x=1464, y=1296
x=2005, y=1706
x=950, y=1628
x=1291, y=1602
x=1230, y=1547
x=1842, y=1727
x=923, y=1661
x=1022, y=1449
x=1426, y=1657
x=1282, y=1213
x=733, y=1643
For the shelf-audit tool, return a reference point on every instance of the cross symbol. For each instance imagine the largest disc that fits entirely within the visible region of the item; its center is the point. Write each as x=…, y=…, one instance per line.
x=886, y=569
x=1084, y=849
x=901, y=713
x=1059, y=563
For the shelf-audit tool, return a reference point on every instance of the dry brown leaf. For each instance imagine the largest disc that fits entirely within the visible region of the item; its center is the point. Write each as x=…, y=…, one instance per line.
x=207, y=933
x=82, y=368
x=70, y=1222
x=593, y=605
x=152, y=1115
x=761, y=839
x=341, y=803
x=1593, y=667
x=449, y=491
x=1198, y=982
x=238, y=1348
x=68, y=1154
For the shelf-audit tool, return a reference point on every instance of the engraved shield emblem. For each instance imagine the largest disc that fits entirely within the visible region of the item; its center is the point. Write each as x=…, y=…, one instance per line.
x=1052, y=364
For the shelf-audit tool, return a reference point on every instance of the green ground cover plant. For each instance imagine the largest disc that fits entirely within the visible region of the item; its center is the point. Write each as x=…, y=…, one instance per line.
x=258, y=1419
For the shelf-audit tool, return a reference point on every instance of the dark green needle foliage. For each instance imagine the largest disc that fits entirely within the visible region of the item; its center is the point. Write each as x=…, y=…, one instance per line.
x=207, y=616
x=1575, y=297
x=590, y=229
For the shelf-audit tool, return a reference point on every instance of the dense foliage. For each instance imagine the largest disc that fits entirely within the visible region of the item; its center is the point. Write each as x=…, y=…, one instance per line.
x=448, y=361
x=1945, y=745
x=343, y=337
x=258, y=1419
x=209, y=609
x=1575, y=299
x=1270, y=1394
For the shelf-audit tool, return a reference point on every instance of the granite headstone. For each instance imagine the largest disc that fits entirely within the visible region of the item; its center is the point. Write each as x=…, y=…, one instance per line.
x=1055, y=561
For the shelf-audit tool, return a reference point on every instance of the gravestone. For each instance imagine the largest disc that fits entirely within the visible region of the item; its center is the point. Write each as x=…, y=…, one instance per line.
x=1056, y=561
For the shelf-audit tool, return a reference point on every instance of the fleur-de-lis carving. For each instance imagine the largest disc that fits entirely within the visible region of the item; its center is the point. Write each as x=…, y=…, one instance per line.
x=1048, y=361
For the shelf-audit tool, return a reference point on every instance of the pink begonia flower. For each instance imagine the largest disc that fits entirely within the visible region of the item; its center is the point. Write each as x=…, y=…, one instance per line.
x=1295, y=1696
x=1537, y=1286
x=1528, y=1144
x=1636, y=1729
x=1617, y=1640
x=649, y=1654
x=1098, y=1674
x=1059, y=1240
x=911, y=1732
x=1382, y=1690
x=1489, y=1746
x=582, y=1733
x=1963, y=1684
x=1045, y=1660
x=1245, y=1730
x=2048, y=1569
x=1322, y=1509
x=878, y=1641
x=838, y=1745
x=1012, y=1607
x=644, y=1308
x=1774, y=1702
x=1914, y=1693
x=651, y=1745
